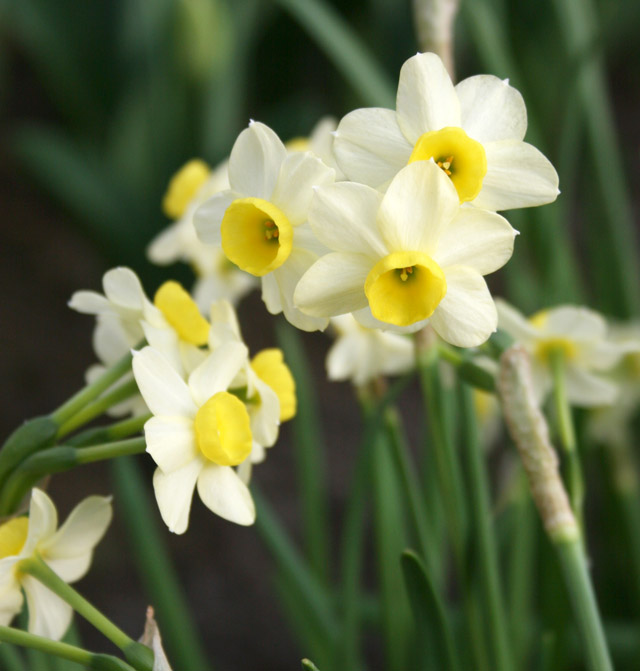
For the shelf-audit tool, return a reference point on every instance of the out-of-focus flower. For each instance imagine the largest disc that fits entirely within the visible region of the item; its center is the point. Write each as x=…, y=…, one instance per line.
x=216, y=276
x=261, y=220
x=67, y=551
x=408, y=258
x=320, y=142
x=473, y=131
x=582, y=337
x=361, y=354
x=198, y=434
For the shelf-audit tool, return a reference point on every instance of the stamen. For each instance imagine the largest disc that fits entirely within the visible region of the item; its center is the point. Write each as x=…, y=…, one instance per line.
x=446, y=164
x=405, y=272
x=271, y=231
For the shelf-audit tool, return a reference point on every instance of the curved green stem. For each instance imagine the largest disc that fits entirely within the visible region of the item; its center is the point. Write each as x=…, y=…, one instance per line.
x=106, y=434
x=78, y=401
x=138, y=655
x=72, y=653
x=98, y=407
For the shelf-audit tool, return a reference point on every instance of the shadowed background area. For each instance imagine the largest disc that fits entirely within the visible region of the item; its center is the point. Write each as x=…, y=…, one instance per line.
x=100, y=103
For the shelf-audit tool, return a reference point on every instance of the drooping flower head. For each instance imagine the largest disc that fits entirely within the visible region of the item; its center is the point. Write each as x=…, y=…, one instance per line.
x=473, y=131
x=581, y=336
x=407, y=257
x=261, y=220
x=67, y=550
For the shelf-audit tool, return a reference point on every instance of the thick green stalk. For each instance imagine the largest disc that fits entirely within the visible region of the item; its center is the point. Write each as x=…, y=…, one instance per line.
x=309, y=453
x=98, y=407
x=57, y=460
x=344, y=48
x=108, y=434
x=138, y=655
x=480, y=525
x=78, y=401
x=90, y=660
x=159, y=578
x=574, y=567
x=575, y=480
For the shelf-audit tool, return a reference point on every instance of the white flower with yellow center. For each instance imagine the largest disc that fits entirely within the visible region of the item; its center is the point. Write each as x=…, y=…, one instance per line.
x=198, y=434
x=581, y=335
x=473, y=131
x=406, y=258
x=260, y=220
x=264, y=382
x=361, y=354
x=67, y=551
x=217, y=277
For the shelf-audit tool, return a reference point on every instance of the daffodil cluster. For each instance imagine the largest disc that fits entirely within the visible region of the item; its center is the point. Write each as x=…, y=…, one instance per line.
x=393, y=219
x=214, y=409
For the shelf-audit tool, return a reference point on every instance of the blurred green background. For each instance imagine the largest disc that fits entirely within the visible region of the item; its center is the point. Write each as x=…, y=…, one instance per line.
x=101, y=102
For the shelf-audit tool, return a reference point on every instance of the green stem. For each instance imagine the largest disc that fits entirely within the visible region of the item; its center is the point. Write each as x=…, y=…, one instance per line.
x=574, y=567
x=98, y=407
x=344, y=48
x=116, y=431
x=575, y=481
x=92, y=390
x=57, y=460
x=138, y=655
x=309, y=453
x=155, y=569
x=64, y=650
x=10, y=659
x=468, y=371
x=482, y=528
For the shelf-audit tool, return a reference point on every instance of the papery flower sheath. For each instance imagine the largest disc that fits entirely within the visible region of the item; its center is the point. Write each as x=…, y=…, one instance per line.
x=406, y=258
x=581, y=335
x=67, y=551
x=473, y=131
x=261, y=220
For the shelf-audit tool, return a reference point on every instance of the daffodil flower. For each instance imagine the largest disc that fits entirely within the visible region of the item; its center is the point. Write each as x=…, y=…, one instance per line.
x=581, y=335
x=406, y=258
x=198, y=434
x=361, y=354
x=260, y=220
x=473, y=131
x=67, y=551
x=216, y=276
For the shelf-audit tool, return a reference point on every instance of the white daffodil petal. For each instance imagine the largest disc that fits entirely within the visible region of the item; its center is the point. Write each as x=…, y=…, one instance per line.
x=10, y=601
x=271, y=294
x=73, y=568
x=478, y=239
x=224, y=493
x=366, y=319
x=343, y=217
x=174, y=492
x=575, y=323
x=255, y=161
x=265, y=418
x=334, y=285
x=343, y=357
x=515, y=324
x=426, y=98
x=604, y=355
x=162, y=388
x=89, y=302
x=419, y=203
x=466, y=316
x=208, y=217
x=217, y=371
x=370, y=147
x=166, y=341
x=491, y=110
x=122, y=287
x=43, y=520
x=110, y=339
x=170, y=441
x=587, y=390
x=518, y=175
x=293, y=192
x=49, y=615
x=81, y=531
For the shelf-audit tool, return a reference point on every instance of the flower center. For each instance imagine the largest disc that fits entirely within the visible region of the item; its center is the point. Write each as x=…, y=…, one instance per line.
x=256, y=235
x=182, y=313
x=183, y=187
x=270, y=367
x=546, y=347
x=461, y=158
x=223, y=434
x=404, y=288
x=13, y=535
